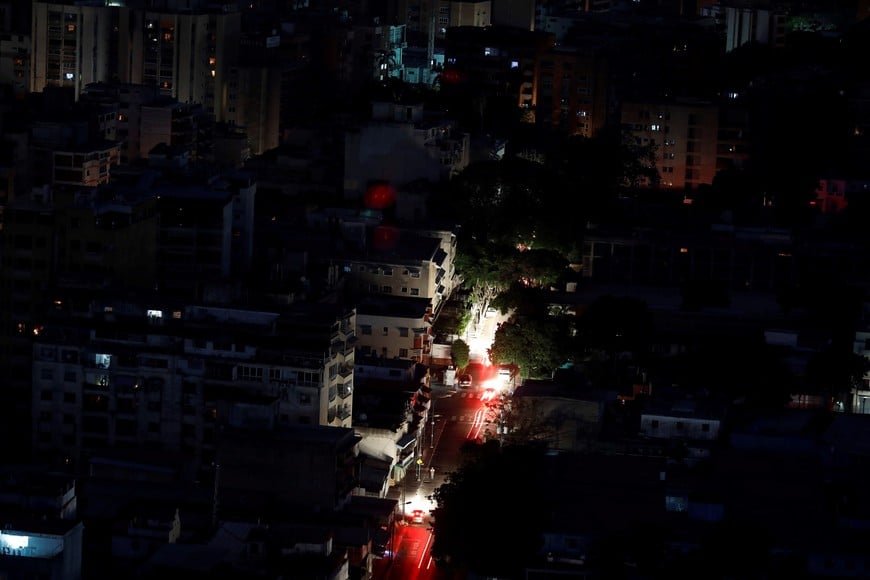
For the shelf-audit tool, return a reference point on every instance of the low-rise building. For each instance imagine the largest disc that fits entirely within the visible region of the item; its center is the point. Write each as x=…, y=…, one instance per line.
x=565, y=416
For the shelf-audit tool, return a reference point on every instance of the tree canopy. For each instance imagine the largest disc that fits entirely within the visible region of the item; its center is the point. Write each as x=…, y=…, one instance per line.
x=532, y=344
x=479, y=524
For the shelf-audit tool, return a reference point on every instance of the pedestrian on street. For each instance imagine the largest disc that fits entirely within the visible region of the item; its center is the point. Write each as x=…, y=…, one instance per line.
x=431, y=473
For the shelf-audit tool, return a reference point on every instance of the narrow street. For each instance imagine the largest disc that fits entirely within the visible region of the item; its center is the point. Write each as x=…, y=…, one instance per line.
x=459, y=416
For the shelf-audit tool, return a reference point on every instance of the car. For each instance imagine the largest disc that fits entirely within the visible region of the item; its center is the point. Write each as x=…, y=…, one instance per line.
x=417, y=517
x=465, y=381
x=488, y=394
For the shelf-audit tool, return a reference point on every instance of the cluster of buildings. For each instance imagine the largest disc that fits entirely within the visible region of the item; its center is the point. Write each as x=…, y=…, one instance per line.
x=197, y=296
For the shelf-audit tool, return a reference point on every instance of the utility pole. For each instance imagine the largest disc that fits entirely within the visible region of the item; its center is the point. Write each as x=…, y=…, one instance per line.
x=432, y=413
x=216, y=497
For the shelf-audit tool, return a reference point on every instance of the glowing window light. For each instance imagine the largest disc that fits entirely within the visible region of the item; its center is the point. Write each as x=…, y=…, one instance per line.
x=14, y=542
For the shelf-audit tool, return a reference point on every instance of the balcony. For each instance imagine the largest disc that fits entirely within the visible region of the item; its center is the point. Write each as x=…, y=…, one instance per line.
x=343, y=412
x=345, y=391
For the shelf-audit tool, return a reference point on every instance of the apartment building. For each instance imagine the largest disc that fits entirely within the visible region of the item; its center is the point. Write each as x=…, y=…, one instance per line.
x=500, y=61
x=254, y=104
x=390, y=327
x=572, y=89
x=400, y=144
x=129, y=100
x=74, y=145
x=15, y=62
x=72, y=45
x=264, y=468
x=430, y=19
x=684, y=133
x=165, y=121
x=185, y=50
x=406, y=265
x=206, y=232
x=162, y=376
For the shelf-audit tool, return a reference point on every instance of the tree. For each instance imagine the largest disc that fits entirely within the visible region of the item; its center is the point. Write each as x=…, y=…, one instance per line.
x=489, y=517
x=541, y=268
x=525, y=301
x=460, y=352
x=532, y=344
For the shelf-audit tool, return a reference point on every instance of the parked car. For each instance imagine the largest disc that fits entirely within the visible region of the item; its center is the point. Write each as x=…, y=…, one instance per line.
x=465, y=381
x=417, y=517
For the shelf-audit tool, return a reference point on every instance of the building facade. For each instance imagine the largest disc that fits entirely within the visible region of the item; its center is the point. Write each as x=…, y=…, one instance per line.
x=129, y=375
x=185, y=51
x=684, y=134
x=395, y=328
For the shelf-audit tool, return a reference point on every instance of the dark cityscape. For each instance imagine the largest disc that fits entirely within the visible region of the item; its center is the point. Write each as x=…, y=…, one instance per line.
x=434, y=289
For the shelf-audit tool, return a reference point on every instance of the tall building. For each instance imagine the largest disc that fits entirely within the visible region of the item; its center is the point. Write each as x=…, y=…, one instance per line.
x=15, y=62
x=254, y=104
x=498, y=61
x=430, y=19
x=572, y=90
x=72, y=45
x=185, y=51
x=206, y=232
x=685, y=134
